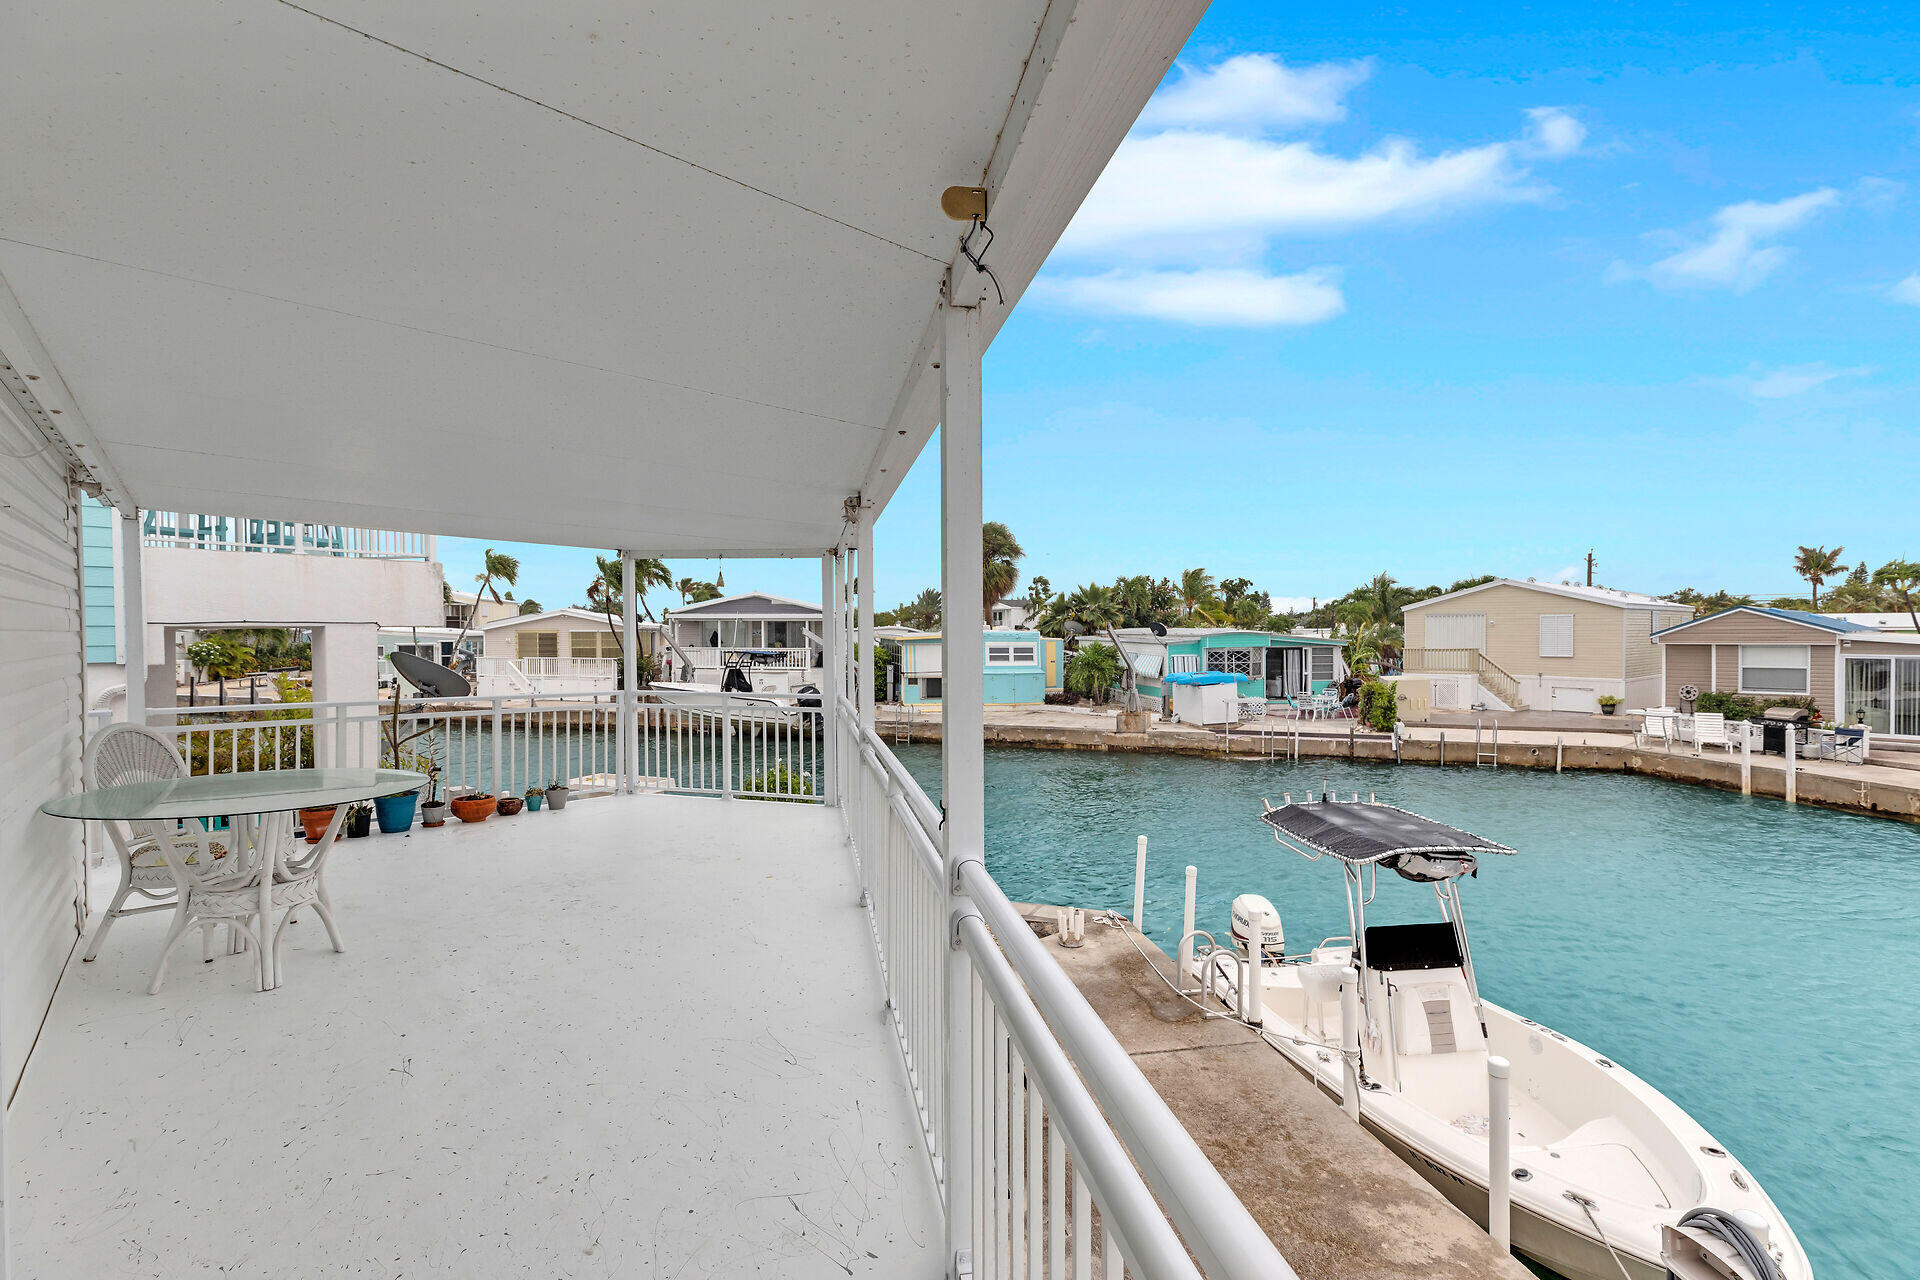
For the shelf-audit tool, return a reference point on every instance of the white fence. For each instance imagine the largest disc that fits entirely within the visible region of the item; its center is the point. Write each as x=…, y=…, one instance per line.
x=507, y=745
x=199, y=531
x=1070, y=1155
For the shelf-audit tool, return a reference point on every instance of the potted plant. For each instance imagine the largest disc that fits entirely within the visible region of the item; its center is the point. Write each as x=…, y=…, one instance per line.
x=434, y=812
x=395, y=813
x=477, y=807
x=359, y=823
x=314, y=822
x=509, y=805
x=1608, y=704
x=534, y=797
x=558, y=793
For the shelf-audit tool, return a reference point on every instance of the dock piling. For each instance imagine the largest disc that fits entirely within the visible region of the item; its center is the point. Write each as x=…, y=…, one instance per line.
x=1559, y=749
x=1746, y=761
x=1499, y=1186
x=1186, y=929
x=1793, y=783
x=1140, y=884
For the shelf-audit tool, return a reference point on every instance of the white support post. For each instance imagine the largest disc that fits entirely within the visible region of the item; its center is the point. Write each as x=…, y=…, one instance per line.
x=830, y=670
x=1350, y=1045
x=1746, y=760
x=1140, y=884
x=1499, y=1160
x=962, y=721
x=626, y=718
x=1793, y=765
x=133, y=597
x=863, y=663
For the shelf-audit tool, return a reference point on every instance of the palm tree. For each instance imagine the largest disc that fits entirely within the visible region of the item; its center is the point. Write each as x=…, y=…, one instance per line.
x=1379, y=600
x=1000, y=556
x=1901, y=580
x=1198, y=596
x=498, y=565
x=1816, y=565
x=1134, y=597
x=922, y=612
x=529, y=605
x=1095, y=607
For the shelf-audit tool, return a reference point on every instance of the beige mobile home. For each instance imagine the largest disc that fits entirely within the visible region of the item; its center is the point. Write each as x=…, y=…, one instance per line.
x=1539, y=645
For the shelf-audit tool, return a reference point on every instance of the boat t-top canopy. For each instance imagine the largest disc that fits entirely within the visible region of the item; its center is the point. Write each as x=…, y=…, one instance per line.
x=1370, y=833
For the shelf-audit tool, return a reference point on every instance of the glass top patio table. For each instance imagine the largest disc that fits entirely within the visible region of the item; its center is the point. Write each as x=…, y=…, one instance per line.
x=268, y=791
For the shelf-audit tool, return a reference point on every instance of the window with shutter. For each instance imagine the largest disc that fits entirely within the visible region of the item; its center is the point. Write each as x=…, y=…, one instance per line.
x=536, y=644
x=1556, y=635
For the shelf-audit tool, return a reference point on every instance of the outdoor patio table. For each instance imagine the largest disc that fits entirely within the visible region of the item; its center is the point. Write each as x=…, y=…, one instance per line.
x=261, y=805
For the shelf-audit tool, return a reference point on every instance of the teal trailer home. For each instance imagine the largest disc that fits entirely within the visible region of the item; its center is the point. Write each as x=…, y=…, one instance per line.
x=1267, y=664
x=1022, y=668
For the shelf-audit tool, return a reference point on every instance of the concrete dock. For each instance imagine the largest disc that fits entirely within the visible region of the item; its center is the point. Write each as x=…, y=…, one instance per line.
x=1887, y=787
x=1336, y=1202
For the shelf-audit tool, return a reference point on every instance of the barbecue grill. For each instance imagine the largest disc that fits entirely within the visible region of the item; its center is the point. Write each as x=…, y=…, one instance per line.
x=1779, y=725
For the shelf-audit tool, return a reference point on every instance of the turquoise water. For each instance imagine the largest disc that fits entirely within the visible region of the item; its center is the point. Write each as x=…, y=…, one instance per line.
x=1750, y=958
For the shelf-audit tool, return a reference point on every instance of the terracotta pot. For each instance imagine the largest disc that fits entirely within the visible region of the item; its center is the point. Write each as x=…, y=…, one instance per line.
x=314, y=823
x=473, y=808
x=509, y=805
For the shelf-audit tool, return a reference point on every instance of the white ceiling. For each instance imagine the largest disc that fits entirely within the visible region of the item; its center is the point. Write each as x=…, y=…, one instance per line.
x=572, y=272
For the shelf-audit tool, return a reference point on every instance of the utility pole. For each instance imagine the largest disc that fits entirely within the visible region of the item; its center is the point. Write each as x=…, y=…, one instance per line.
x=1589, y=566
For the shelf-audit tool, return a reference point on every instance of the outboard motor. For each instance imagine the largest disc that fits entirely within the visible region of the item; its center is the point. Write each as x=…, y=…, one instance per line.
x=1253, y=914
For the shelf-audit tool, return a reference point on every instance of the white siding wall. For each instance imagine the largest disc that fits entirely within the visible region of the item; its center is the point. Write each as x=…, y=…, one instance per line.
x=41, y=865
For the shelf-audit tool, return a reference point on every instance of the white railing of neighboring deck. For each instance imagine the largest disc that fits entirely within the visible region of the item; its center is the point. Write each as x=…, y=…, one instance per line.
x=506, y=745
x=201, y=531
x=1071, y=1152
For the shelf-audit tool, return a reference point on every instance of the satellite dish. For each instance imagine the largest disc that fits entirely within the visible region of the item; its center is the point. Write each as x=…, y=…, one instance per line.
x=430, y=678
x=1072, y=628
x=1158, y=628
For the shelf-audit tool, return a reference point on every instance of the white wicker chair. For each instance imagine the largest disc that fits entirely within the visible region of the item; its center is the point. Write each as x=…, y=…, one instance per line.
x=126, y=753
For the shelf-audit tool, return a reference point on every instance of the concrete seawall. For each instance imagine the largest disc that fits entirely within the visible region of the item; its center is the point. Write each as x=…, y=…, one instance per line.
x=1334, y=1200
x=1869, y=789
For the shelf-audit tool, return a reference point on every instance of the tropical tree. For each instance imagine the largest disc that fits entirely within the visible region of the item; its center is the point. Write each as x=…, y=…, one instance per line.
x=1000, y=556
x=922, y=612
x=1094, y=607
x=219, y=657
x=1092, y=670
x=1816, y=565
x=1857, y=594
x=1039, y=595
x=1199, y=598
x=607, y=593
x=1900, y=579
x=529, y=605
x=497, y=566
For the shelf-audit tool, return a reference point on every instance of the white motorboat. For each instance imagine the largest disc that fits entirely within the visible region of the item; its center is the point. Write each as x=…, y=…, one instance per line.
x=1604, y=1167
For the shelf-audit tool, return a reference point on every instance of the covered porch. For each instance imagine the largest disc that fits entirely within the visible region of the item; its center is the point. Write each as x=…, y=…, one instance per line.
x=637, y=1036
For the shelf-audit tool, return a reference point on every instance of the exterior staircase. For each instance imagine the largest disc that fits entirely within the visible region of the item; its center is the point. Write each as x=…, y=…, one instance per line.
x=1469, y=662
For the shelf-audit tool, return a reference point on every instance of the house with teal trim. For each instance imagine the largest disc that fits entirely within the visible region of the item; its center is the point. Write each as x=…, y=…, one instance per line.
x=1267, y=664
x=1022, y=668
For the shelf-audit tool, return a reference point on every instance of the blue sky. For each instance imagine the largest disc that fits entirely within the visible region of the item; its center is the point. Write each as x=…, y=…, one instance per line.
x=1438, y=293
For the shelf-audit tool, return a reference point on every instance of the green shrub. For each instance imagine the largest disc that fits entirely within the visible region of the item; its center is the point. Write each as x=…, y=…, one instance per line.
x=1740, y=706
x=1093, y=670
x=779, y=784
x=1379, y=707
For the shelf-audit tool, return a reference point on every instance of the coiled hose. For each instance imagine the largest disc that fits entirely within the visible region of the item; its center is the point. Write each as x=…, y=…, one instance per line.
x=1715, y=1222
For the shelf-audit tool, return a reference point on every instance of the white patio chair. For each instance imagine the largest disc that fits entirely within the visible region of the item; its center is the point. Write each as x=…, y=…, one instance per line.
x=1661, y=723
x=127, y=753
x=1710, y=730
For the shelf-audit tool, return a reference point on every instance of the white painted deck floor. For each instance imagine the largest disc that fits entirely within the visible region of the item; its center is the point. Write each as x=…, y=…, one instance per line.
x=549, y=1050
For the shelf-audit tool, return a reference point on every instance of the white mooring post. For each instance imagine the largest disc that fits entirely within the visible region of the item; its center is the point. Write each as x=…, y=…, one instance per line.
x=1251, y=1005
x=1140, y=884
x=1793, y=764
x=1559, y=750
x=1350, y=1045
x=1499, y=1186
x=1746, y=760
x=1186, y=929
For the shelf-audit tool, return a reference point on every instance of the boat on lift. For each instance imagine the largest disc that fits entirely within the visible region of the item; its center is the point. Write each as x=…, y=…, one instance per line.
x=1608, y=1177
x=745, y=685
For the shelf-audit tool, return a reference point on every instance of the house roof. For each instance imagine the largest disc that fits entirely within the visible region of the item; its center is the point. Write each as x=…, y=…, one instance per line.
x=1818, y=621
x=580, y=615
x=1598, y=595
x=748, y=604
x=1180, y=635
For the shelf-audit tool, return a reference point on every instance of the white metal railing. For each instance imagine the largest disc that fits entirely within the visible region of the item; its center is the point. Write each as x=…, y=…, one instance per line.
x=199, y=531
x=577, y=668
x=1071, y=1154
x=508, y=744
x=706, y=657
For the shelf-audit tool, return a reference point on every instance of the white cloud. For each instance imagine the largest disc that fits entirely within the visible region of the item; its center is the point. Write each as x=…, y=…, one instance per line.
x=1554, y=135
x=1184, y=184
x=1907, y=291
x=1737, y=254
x=1256, y=90
x=1789, y=380
x=1207, y=296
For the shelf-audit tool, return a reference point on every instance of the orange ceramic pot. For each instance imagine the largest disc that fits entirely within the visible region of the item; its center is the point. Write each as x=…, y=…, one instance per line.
x=314, y=823
x=472, y=808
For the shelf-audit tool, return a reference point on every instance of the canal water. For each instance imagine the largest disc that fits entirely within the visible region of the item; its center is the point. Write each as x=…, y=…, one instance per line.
x=1754, y=960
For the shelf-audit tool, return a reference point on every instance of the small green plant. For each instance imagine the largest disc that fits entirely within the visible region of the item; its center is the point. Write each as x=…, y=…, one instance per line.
x=1092, y=671
x=1739, y=706
x=1607, y=700
x=781, y=784
x=534, y=791
x=1378, y=705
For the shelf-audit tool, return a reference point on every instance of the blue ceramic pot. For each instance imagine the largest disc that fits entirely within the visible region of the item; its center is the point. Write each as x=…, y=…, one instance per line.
x=396, y=812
